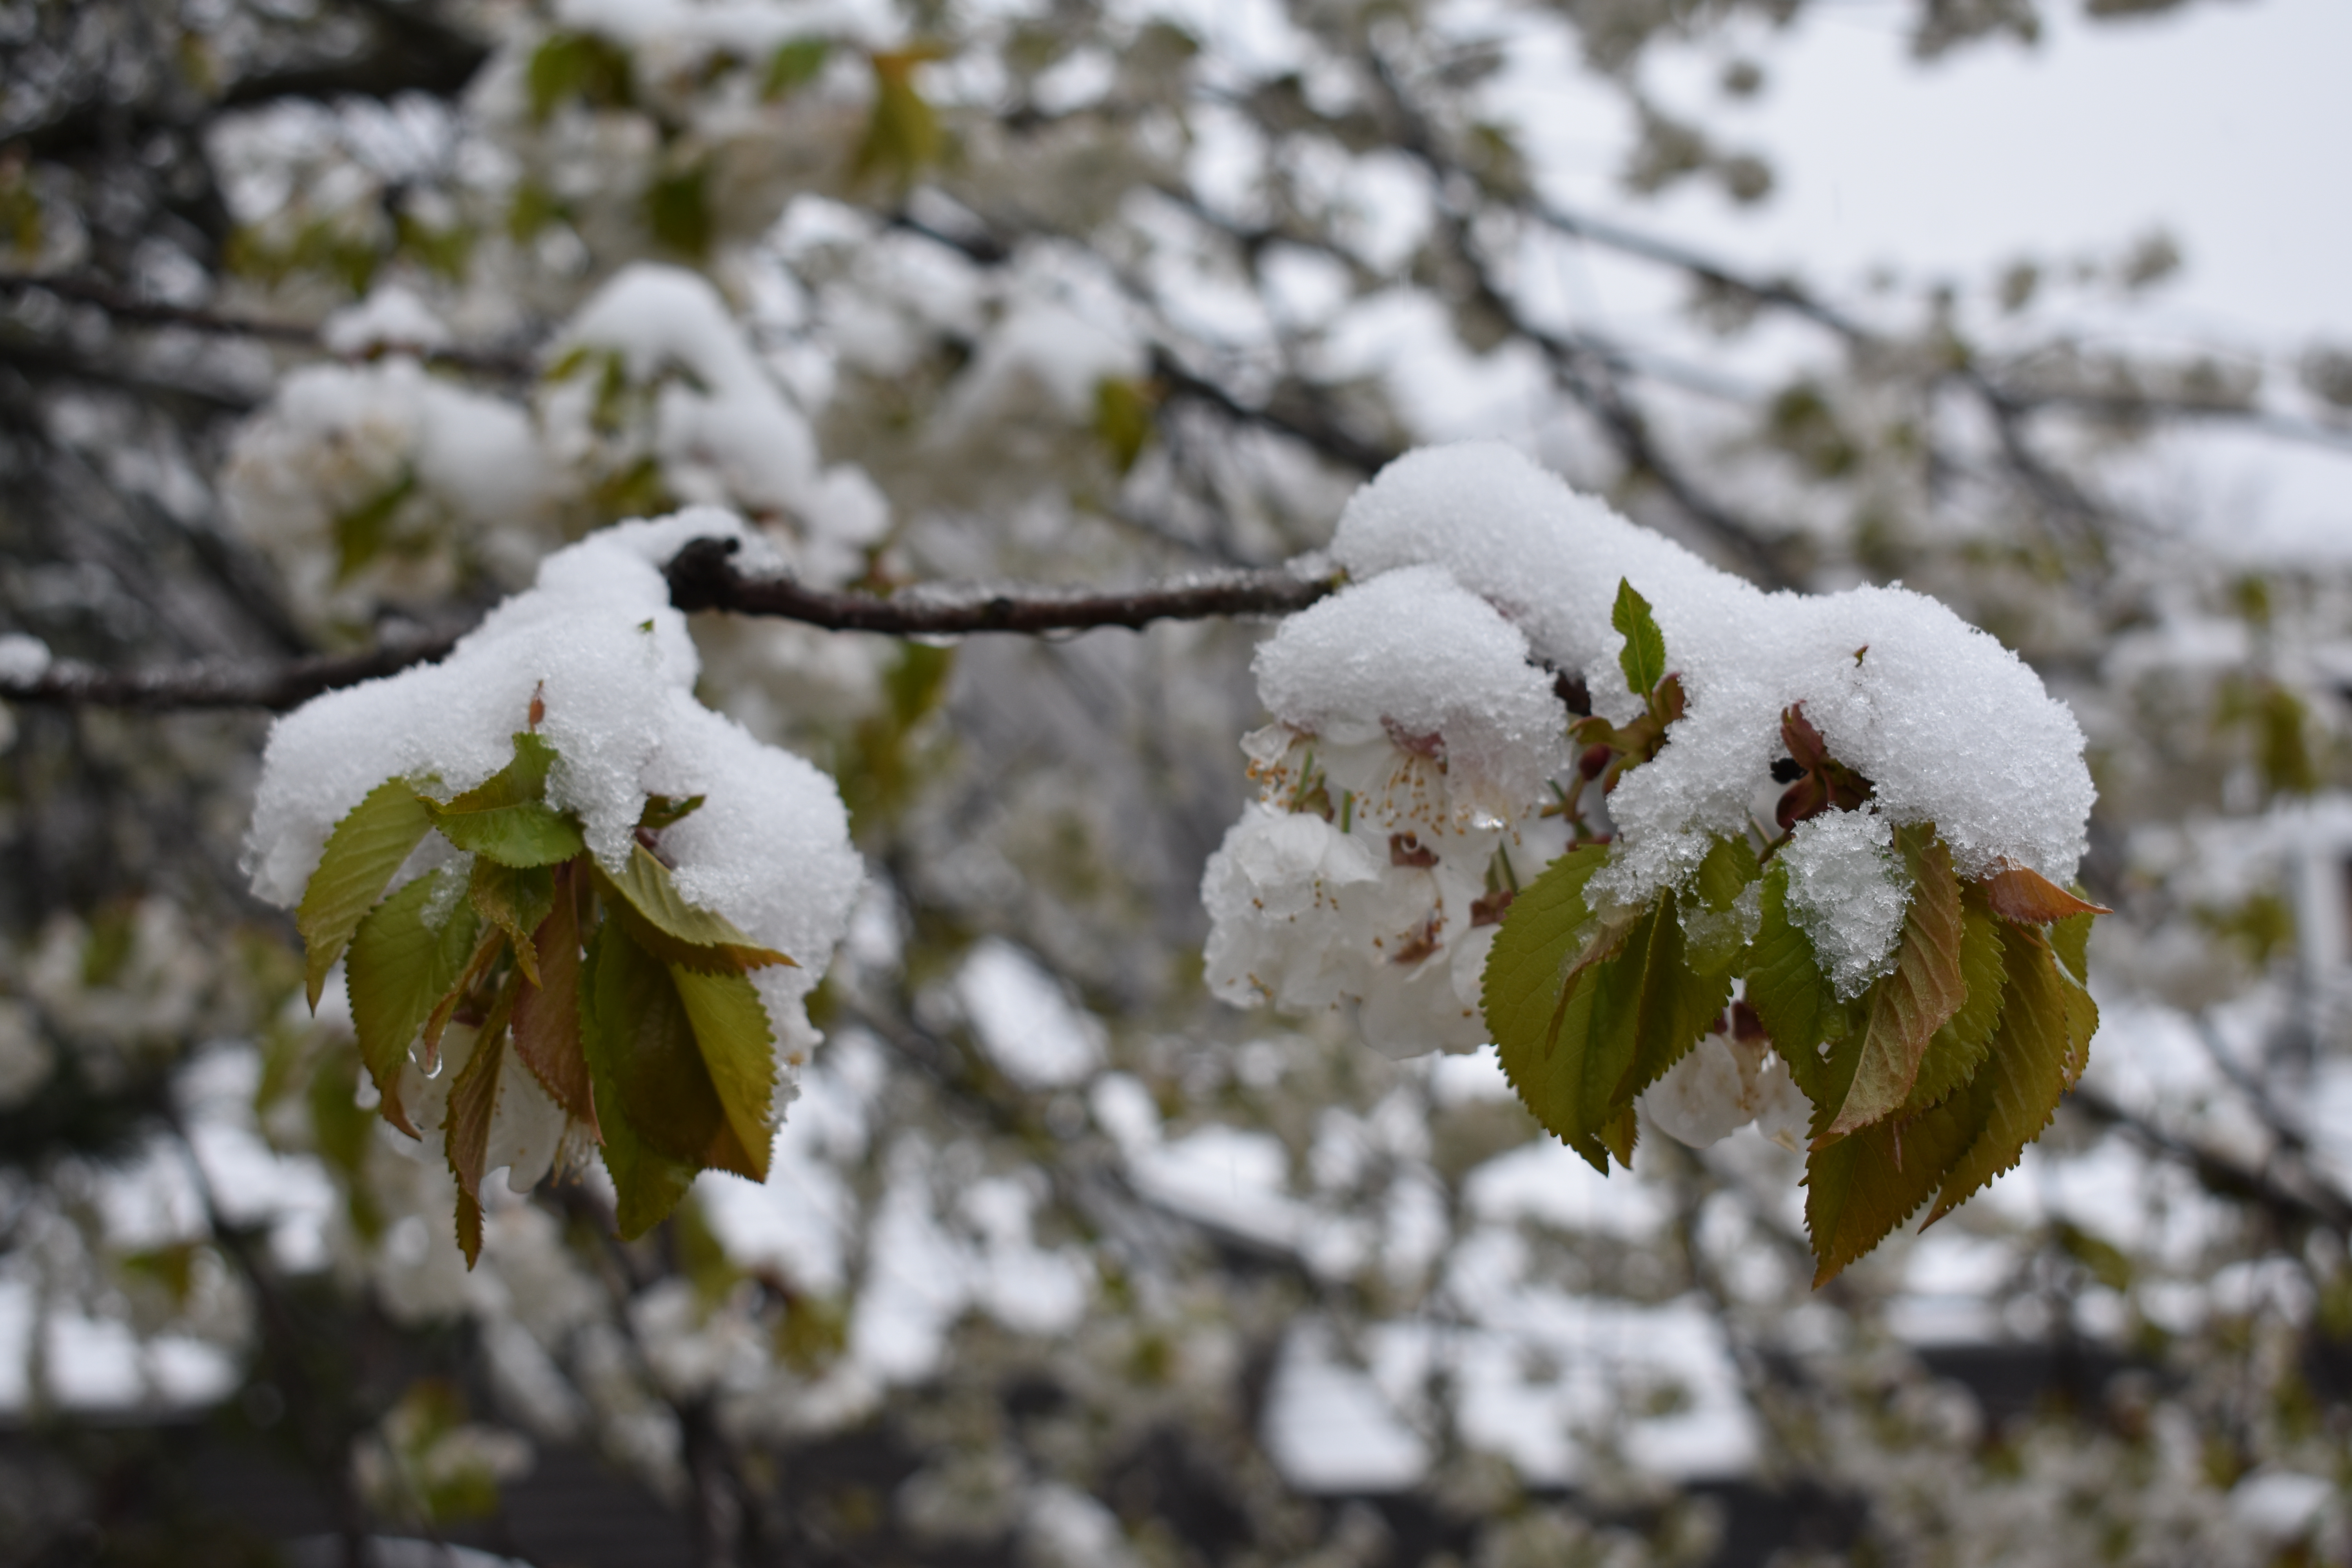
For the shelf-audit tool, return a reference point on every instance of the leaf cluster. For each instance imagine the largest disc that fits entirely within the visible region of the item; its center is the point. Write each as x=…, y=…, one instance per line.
x=627, y=1005
x=1924, y=1087
x=1612, y=750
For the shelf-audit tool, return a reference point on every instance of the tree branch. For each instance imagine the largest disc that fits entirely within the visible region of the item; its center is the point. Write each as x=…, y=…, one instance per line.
x=218, y=684
x=704, y=577
x=2294, y=1205
x=129, y=309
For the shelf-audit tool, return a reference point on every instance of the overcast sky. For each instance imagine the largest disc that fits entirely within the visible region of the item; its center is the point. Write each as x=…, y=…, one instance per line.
x=2226, y=123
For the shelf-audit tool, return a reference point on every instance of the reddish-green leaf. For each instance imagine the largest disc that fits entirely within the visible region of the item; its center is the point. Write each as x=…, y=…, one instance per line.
x=469, y=1227
x=487, y=945
x=491, y=1072
x=365, y=848
x=1918, y=998
x=656, y=1062
x=2045, y=1025
x=400, y=966
x=648, y=1184
x=2031, y=899
x=1958, y=1047
x=1791, y=997
x=660, y=920
x=515, y=899
x=730, y=1025
x=661, y=810
x=546, y=1014
x=473, y=1100
x=1861, y=1187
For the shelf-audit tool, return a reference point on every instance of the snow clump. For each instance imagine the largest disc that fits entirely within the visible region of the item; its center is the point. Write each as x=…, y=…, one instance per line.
x=598, y=644
x=1846, y=893
x=1423, y=694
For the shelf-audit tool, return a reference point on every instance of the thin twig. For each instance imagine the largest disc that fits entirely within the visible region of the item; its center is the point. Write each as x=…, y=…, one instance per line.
x=704, y=577
x=2313, y=1203
x=135, y=312
x=69, y=683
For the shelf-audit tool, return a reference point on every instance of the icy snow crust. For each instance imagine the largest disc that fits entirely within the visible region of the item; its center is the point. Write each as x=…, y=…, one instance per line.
x=1847, y=894
x=598, y=640
x=1419, y=702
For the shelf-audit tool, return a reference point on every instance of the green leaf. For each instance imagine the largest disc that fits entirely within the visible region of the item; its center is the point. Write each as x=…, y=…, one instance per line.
x=648, y=1184
x=1533, y=977
x=656, y=1061
x=506, y=817
x=1717, y=934
x=678, y=211
x=547, y=1008
x=360, y=532
x=794, y=65
x=730, y=1025
x=1123, y=409
x=2070, y=939
x=1726, y=872
x=527, y=835
x=1649, y=1008
x=660, y=920
x=662, y=810
x=1958, y=1047
x=400, y=967
x=569, y=65
x=1918, y=998
x=2045, y=1027
x=365, y=848
x=1861, y=1187
x=515, y=899
x=903, y=137
x=1644, y=656
x=1587, y=1010
x=1786, y=986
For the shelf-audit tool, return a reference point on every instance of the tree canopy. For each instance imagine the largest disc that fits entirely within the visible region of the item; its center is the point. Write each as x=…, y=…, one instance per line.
x=863, y=646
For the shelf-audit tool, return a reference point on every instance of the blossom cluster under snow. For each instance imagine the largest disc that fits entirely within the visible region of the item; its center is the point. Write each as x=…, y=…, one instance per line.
x=651, y=379
x=611, y=663
x=1419, y=702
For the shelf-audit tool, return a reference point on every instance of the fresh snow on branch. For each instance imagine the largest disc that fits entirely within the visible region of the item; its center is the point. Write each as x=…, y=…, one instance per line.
x=1922, y=793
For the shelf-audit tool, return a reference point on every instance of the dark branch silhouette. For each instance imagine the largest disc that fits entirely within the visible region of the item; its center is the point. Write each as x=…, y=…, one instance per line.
x=704, y=577
x=213, y=683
